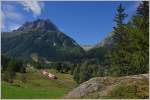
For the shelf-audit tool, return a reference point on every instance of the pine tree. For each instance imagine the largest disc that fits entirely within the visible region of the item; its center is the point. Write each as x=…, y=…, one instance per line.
x=140, y=24
x=130, y=53
x=119, y=18
x=117, y=57
x=143, y=10
x=76, y=74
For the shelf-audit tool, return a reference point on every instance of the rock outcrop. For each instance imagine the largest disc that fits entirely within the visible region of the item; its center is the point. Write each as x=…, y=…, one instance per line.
x=100, y=87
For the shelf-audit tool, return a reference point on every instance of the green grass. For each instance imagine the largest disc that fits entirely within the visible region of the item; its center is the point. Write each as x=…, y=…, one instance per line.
x=131, y=90
x=38, y=86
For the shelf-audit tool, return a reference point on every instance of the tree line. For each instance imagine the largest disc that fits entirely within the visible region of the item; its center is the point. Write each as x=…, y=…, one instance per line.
x=10, y=66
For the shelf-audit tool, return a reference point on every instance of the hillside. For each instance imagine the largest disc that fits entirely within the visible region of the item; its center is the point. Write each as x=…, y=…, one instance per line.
x=41, y=38
x=100, y=49
x=87, y=47
x=106, y=42
x=124, y=87
x=34, y=85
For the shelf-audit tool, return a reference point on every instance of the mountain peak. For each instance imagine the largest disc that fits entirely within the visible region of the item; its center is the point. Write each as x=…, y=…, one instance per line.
x=39, y=24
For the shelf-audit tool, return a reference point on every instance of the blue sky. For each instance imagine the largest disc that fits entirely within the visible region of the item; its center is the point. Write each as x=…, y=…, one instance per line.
x=85, y=22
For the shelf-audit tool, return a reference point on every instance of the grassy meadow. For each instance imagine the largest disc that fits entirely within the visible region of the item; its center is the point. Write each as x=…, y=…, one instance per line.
x=36, y=85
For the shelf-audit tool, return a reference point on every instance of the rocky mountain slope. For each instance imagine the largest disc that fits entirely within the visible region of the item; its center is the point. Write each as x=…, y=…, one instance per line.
x=87, y=47
x=135, y=86
x=106, y=42
x=100, y=49
x=41, y=38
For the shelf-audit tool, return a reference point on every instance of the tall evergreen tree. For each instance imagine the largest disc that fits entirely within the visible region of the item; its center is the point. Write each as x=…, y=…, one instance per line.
x=119, y=18
x=143, y=10
x=140, y=24
x=116, y=57
x=76, y=74
x=129, y=55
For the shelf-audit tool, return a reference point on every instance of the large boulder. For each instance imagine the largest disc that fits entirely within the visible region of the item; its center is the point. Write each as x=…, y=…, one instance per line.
x=101, y=87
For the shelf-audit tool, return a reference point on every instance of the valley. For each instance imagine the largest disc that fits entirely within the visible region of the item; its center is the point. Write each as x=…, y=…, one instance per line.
x=40, y=61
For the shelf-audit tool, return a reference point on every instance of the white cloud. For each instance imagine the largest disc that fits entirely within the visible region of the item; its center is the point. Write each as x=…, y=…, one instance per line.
x=14, y=27
x=9, y=7
x=11, y=13
x=2, y=20
x=14, y=16
x=8, y=12
x=34, y=6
